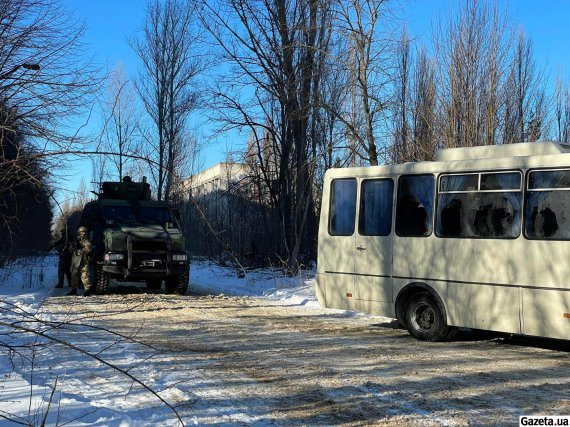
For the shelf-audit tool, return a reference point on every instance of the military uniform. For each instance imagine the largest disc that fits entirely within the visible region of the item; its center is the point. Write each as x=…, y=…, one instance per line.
x=64, y=249
x=80, y=262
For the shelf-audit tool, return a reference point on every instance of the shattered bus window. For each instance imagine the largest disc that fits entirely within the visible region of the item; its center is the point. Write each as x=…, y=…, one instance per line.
x=490, y=210
x=414, y=210
x=547, y=205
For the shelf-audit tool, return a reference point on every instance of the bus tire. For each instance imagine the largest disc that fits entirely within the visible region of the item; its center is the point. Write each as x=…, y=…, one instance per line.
x=424, y=319
x=452, y=331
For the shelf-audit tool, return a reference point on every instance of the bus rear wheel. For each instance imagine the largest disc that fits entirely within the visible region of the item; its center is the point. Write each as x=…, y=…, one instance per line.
x=424, y=319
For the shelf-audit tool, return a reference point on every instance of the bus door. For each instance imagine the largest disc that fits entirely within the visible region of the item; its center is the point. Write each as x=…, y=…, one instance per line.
x=336, y=251
x=373, y=243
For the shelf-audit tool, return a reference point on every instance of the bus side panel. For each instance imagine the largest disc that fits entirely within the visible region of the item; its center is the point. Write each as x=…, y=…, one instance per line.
x=477, y=261
x=385, y=309
x=544, y=312
x=487, y=307
x=493, y=266
x=479, y=273
x=338, y=289
x=321, y=288
x=414, y=258
x=373, y=268
x=545, y=266
x=336, y=270
x=494, y=283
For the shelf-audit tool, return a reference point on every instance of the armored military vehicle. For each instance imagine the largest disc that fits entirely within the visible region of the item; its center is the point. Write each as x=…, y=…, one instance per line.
x=135, y=238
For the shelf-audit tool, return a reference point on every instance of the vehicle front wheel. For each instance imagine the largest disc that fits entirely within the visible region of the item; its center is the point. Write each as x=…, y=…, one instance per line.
x=424, y=319
x=153, y=284
x=177, y=284
x=103, y=281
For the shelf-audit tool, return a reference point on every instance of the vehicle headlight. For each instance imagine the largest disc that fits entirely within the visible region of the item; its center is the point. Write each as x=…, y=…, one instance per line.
x=179, y=257
x=114, y=257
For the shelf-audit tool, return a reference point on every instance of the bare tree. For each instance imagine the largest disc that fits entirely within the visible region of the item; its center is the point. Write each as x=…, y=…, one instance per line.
x=119, y=132
x=401, y=150
x=562, y=112
x=45, y=79
x=333, y=95
x=472, y=53
x=186, y=157
x=169, y=52
x=99, y=172
x=424, y=99
x=369, y=63
x=415, y=111
x=44, y=75
x=526, y=101
x=25, y=208
x=274, y=47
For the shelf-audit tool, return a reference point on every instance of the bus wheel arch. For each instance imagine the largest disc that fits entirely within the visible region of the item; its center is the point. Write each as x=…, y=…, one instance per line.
x=421, y=311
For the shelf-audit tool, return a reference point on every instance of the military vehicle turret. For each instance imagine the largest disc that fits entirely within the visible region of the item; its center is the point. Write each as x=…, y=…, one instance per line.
x=135, y=239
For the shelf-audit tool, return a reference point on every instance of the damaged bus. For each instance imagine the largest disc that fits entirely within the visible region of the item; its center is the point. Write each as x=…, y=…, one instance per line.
x=478, y=238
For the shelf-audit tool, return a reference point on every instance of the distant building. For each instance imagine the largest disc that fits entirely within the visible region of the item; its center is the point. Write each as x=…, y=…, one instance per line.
x=219, y=216
x=233, y=208
x=218, y=178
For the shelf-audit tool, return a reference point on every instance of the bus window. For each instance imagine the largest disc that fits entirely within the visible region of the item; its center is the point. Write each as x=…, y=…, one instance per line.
x=414, y=210
x=501, y=181
x=490, y=209
x=453, y=183
x=547, y=205
x=376, y=198
x=342, y=208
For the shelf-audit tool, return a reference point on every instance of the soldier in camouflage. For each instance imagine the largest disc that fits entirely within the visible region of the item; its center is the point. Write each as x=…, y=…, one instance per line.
x=80, y=262
x=64, y=249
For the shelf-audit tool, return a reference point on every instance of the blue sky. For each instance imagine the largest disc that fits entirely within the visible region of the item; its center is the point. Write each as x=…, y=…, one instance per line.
x=109, y=24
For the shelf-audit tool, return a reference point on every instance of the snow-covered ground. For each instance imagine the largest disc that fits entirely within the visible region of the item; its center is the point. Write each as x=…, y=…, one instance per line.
x=25, y=285
x=256, y=350
x=210, y=278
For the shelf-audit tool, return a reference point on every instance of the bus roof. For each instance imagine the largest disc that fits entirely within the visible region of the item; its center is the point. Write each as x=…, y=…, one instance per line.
x=503, y=150
x=492, y=157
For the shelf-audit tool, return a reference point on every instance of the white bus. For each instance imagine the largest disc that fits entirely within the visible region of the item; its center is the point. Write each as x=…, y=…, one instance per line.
x=478, y=238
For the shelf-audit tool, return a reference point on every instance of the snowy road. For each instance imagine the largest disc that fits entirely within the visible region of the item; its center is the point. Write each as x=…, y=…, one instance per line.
x=270, y=356
x=253, y=361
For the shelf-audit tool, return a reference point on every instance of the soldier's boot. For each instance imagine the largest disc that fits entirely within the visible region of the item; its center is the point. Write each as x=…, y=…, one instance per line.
x=72, y=292
x=59, y=280
x=86, y=281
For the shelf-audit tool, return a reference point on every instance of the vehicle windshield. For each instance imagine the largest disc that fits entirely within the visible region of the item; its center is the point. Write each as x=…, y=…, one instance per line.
x=154, y=214
x=118, y=213
x=148, y=215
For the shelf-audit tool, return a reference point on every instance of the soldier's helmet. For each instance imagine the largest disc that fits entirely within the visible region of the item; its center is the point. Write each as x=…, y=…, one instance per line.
x=82, y=230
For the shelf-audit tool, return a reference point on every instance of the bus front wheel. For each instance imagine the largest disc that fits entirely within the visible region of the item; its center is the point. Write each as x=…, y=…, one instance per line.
x=424, y=319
